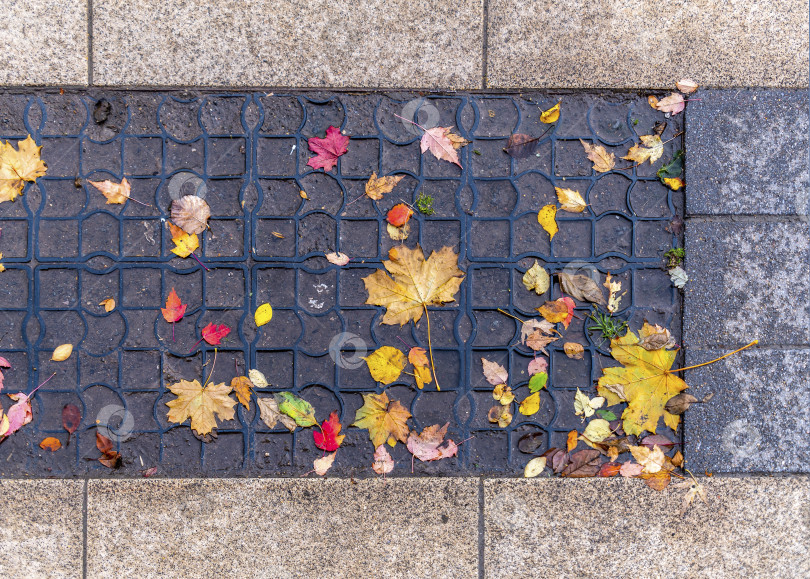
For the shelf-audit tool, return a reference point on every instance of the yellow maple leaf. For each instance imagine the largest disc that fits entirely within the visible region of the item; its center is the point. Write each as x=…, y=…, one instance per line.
x=185, y=243
x=384, y=419
x=203, y=404
x=546, y=217
x=647, y=384
x=17, y=166
x=570, y=200
x=116, y=193
x=377, y=187
x=602, y=160
x=417, y=283
x=385, y=364
x=651, y=151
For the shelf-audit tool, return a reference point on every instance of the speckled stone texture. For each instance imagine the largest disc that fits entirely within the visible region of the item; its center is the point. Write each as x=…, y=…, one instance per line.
x=748, y=153
x=41, y=534
x=758, y=419
x=282, y=528
x=752, y=527
x=285, y=43
x=748, y=280
x=43, y=42
x=640, y=44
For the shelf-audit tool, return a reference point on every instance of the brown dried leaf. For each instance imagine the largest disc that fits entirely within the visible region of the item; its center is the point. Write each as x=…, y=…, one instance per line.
x=377, y=187
x=574, y=351
x=191, y=213
x=116, y=193
x=581, y=287
x=494, y=372
x=585, y=463
x=602, y=160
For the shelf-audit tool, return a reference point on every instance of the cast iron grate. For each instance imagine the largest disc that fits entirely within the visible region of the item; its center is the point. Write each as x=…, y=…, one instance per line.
x=65, y=251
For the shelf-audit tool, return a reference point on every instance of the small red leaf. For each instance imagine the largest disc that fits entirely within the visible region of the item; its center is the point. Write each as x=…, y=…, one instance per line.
x=330, y=439
x=175, y=309
x=149, y=472
x=327, y=150
x=399, y=215
x=213, y=334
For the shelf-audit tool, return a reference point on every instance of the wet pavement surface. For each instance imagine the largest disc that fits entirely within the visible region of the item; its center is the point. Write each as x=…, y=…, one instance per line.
x=65, y=251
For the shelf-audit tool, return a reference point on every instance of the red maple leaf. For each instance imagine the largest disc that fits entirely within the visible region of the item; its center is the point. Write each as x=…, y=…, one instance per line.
x=213, y=334
x=329, y=439
x=327, y=150
x=175, y=309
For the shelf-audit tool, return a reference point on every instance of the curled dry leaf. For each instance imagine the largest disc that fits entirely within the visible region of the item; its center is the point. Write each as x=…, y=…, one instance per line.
x=521, y=146
x=383, y=463
x=602, y=160
x=494, y=372
x=503, y=394
x=377, y=187
x=109, y=304
x=534, y=467
x=551, y=115
x=242, y=387
x=546, y=217
x=116, y=193
x=614, y=297
x=655, y=337
x=500, y=415
x=3, y=364
x=263, y=315
x=109, y=457
x=190, y=213
x=271, y=415
x=62, y=353
x=574, y=351
x=678, y=277
x=686, y=85
x=536, y=278
x=584, y=406
x=679, y=403
x=430, y=444
x=323, y=464
x=385, y=364
x=652, y=460
x=673, y=183
x=337, y=258
x=581, y=287
x=398, y=233
x=418, y=356
x=570, y=200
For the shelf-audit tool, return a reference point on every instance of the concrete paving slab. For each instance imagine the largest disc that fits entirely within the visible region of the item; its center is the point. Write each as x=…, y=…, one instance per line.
x=758, y=419
x=43, y=42
x=637, y=44
x=748, y=153
x=41, y=534
x=748, y=280
x=379, y=43
x=282, y=528
x=752, y=527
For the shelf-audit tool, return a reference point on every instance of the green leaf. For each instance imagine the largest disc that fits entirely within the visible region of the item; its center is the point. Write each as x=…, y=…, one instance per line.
x=538, y=381
x=606, y=414
x=296, y=408
x=672, y=169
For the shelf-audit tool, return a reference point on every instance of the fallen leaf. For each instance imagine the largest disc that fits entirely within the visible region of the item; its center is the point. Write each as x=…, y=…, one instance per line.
x=71, y=418
x=17, y=166
x=383, y=463
x=417, y=283
x=679, y=403
x=109, y=304
x=673, y=183
x=338, y=258
x=537, y=365
x=584, y=463
x=655, y=337
x=536, y=278
x=584, y=406
x=534, y=467
x=242, y=387
x=258, y=379
x=296, y=408
x=418, y=356
x=537, y=382
x=500, y=415
x=150, y=472
x=263, y=315
x=530, y=404
x=271, y=415
x=671, y=170
x=678, y=277
x=377, y=187
x=303, y=195
x=554, y=312
x=602, y=160
x=686, y=85
x=581, y=287
x=430, y=444
x=658, y=481
x=203, y=405
x=614, y=297
x=175, y=309
x=442, y=144
x=651, y=151
x=571, y=305
x=677, y=459
x=62, y=353
x=597, y=430
x=109, y=457
x=191, y=213
x=546, y=217
x=572, y=441
x=385, y=364
x=184, y=243
x=570, y=200
x=422, y=376
x=609, y=469
x=328, y=149
x=398, y=233
x=648, y=384
x=695, y=490
x=50, y=443
x=656, y=440
x=529, y=443
x=672, y=104
x=630, y=469
x=214, y=334
x=323, y=464
x=530, y=327
x=520, y=146
x=503, y=394
x=494, y=372
x=329, y=437
x=116, y=193
x=551, y=115
x=384, y=419
x=574, y=351
x=537, y=341
x=651, y=460
x=399, y=215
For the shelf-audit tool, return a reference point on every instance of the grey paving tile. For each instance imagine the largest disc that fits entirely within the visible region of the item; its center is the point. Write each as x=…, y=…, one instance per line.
x=279, y=528
x=579, y=43
x=748, y=280
x=758, y=419
x=752, y=527
x=43, y=42
x=41, y=534
x=748, y=153
x=281, y=43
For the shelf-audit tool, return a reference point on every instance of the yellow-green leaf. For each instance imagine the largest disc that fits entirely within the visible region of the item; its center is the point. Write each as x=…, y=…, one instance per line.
x=536, y=278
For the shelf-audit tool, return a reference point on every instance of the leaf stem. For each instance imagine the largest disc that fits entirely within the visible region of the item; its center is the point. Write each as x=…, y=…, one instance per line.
x=41, y=385
x=194, y=255
x=430, y=348
x=214, y=365
x=511, y=316
x=715, y=360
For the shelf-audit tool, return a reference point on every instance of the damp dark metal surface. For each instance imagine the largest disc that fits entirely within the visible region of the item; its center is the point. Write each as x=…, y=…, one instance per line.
x=65, y=251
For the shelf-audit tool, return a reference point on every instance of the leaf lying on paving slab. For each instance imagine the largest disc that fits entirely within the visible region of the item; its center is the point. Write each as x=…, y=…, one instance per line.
x=116, y=193
x=443, y=144
x=430, y=444
x=190, y=213
x=384, y=419
x=385, y=364
x=547, y=218
x=581, y=287
x=323, y=464
x=296, y=408
x=328, y=149
x=328, y=438
x=494, y=372
x=203, y=405
x=534, y=467
x=376, y=187
x=271, y=415
x=536, y=279
x=602, y=160
x=383, y=463
x=570, y=200
x=521, y=146
x=18, y=166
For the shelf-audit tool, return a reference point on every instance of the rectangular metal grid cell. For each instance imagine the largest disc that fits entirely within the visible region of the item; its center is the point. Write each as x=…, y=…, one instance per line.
x=65, y=250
